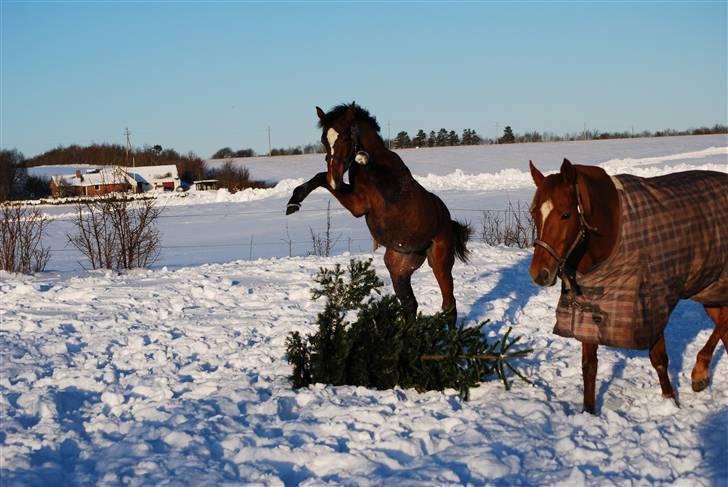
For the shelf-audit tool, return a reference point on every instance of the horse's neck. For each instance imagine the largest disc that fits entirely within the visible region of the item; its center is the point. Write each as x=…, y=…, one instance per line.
x=604, y=216
x=385, y=166
x=372, y=143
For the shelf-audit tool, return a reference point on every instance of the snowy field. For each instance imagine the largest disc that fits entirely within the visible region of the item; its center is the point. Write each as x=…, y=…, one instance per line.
x=177, y=375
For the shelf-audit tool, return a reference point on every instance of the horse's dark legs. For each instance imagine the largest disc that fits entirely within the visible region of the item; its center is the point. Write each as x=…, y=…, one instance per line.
x=589, y=372
x=349, y=199
x=400, y=267
x=441, y=259
x=701, y=372
x=302, y=191
x=659, y=360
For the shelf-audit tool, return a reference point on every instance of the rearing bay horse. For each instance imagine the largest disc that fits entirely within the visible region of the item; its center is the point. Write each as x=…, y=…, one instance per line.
x=627, y=249
x=412, y=223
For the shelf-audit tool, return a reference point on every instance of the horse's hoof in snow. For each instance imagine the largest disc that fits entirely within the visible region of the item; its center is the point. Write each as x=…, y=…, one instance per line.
x=292, y=208
x=699, y=385
x=674, y=399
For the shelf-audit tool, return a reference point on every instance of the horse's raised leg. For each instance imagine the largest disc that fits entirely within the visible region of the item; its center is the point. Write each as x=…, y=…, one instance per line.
x=589, y=372
x=350, y=199
x=659, y=360
x=701, y=372
x=301, y=192
x=441, y=258
x=400, y=267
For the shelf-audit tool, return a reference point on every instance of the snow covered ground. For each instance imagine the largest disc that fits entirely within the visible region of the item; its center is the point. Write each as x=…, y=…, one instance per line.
x=177, y=375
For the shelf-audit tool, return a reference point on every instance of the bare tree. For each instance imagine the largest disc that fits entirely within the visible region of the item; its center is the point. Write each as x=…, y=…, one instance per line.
x=117, y=233
x=234, y=178
x=323, y=243
x=12, y=173
x=21, y=239
x=512, y=227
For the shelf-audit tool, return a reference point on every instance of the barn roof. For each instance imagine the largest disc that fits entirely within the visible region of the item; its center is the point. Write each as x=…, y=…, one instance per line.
x=149, y=174
x=94, y=177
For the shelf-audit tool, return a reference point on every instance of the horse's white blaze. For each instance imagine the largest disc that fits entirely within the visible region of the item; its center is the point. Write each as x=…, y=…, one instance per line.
x=332, y=182
x=546, y=208
x=331, y=136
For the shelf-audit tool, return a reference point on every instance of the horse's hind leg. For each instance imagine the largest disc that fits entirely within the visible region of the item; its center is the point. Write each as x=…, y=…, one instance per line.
x=441, y=258
x=659, y=360
x=701, y=372
x=400, y=267
x=589, y=364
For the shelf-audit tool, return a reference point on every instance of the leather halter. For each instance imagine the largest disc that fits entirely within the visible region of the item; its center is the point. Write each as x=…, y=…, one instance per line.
x=584, y=228
x=354, y=150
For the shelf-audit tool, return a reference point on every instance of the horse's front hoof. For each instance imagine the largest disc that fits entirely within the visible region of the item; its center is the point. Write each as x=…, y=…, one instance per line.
x=699, y=385
x=292, y=208
x=674, y=399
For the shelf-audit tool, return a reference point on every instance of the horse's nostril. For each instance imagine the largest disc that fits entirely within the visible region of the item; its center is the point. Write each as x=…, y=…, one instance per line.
x=544, y=276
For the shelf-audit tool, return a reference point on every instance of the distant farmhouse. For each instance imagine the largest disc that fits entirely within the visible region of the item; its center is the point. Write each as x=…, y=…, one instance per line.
x=93, y=182
x=116, y=179
x=149, y=178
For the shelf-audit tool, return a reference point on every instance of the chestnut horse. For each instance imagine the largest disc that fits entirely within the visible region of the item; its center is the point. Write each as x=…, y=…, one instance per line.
x=412, y=223
x=578, y=213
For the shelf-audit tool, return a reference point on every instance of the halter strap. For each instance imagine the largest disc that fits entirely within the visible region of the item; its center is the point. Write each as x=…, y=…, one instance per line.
x=355, y=144
x=584, y=229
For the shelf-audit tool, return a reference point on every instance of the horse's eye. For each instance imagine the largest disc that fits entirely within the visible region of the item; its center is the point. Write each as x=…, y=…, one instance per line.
x=565, y=216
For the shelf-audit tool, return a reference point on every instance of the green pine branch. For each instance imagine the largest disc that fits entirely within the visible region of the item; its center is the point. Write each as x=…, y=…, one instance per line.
x=384, y=348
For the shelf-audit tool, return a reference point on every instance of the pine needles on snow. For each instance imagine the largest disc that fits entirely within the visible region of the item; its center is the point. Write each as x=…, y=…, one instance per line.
x=365, y=339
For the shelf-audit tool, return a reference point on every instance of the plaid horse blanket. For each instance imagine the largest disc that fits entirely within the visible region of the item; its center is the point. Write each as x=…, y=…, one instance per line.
x=672, y=245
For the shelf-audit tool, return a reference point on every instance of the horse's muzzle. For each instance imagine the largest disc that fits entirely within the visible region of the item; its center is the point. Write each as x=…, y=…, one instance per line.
x=544, y=277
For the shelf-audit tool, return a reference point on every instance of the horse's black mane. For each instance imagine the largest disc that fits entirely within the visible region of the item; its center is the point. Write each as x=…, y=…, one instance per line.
x=361, y=115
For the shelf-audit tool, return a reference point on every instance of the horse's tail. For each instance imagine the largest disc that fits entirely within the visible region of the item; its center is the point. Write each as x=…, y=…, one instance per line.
x=462, y=232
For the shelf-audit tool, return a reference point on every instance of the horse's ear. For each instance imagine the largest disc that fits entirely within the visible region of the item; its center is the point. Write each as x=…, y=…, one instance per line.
x=584, y=196
x=568, y=172
x=320, y=113
x=537, y=176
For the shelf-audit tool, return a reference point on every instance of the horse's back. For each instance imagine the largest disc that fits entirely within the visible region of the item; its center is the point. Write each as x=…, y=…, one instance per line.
x=681, y=224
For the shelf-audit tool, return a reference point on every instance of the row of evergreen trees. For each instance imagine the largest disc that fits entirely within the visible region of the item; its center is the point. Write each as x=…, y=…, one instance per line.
x=228, y=153
x=441, y=138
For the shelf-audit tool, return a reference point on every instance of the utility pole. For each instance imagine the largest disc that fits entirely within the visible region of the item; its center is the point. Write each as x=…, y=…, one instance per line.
x=133, y=160
x=496, y=132
x=128, y=144
x=389, y=135
x=633, y=131
x=270, y=151
x=584, y=131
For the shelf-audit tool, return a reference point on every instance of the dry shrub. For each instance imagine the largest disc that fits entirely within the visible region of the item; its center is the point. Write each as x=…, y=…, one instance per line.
x=512, y=227
x=21, y=239
x=117, y=233
x=235, y=178
x=323, y=243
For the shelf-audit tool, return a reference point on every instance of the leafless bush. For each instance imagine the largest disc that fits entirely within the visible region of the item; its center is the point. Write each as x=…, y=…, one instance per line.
x=116, y=233
x=21, y=239
x=288, y=241
x=512, y=227
x=323, y=243
x=234, y=178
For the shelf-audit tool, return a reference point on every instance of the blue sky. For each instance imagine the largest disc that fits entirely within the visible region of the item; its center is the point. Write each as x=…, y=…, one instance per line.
x=200, y=76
